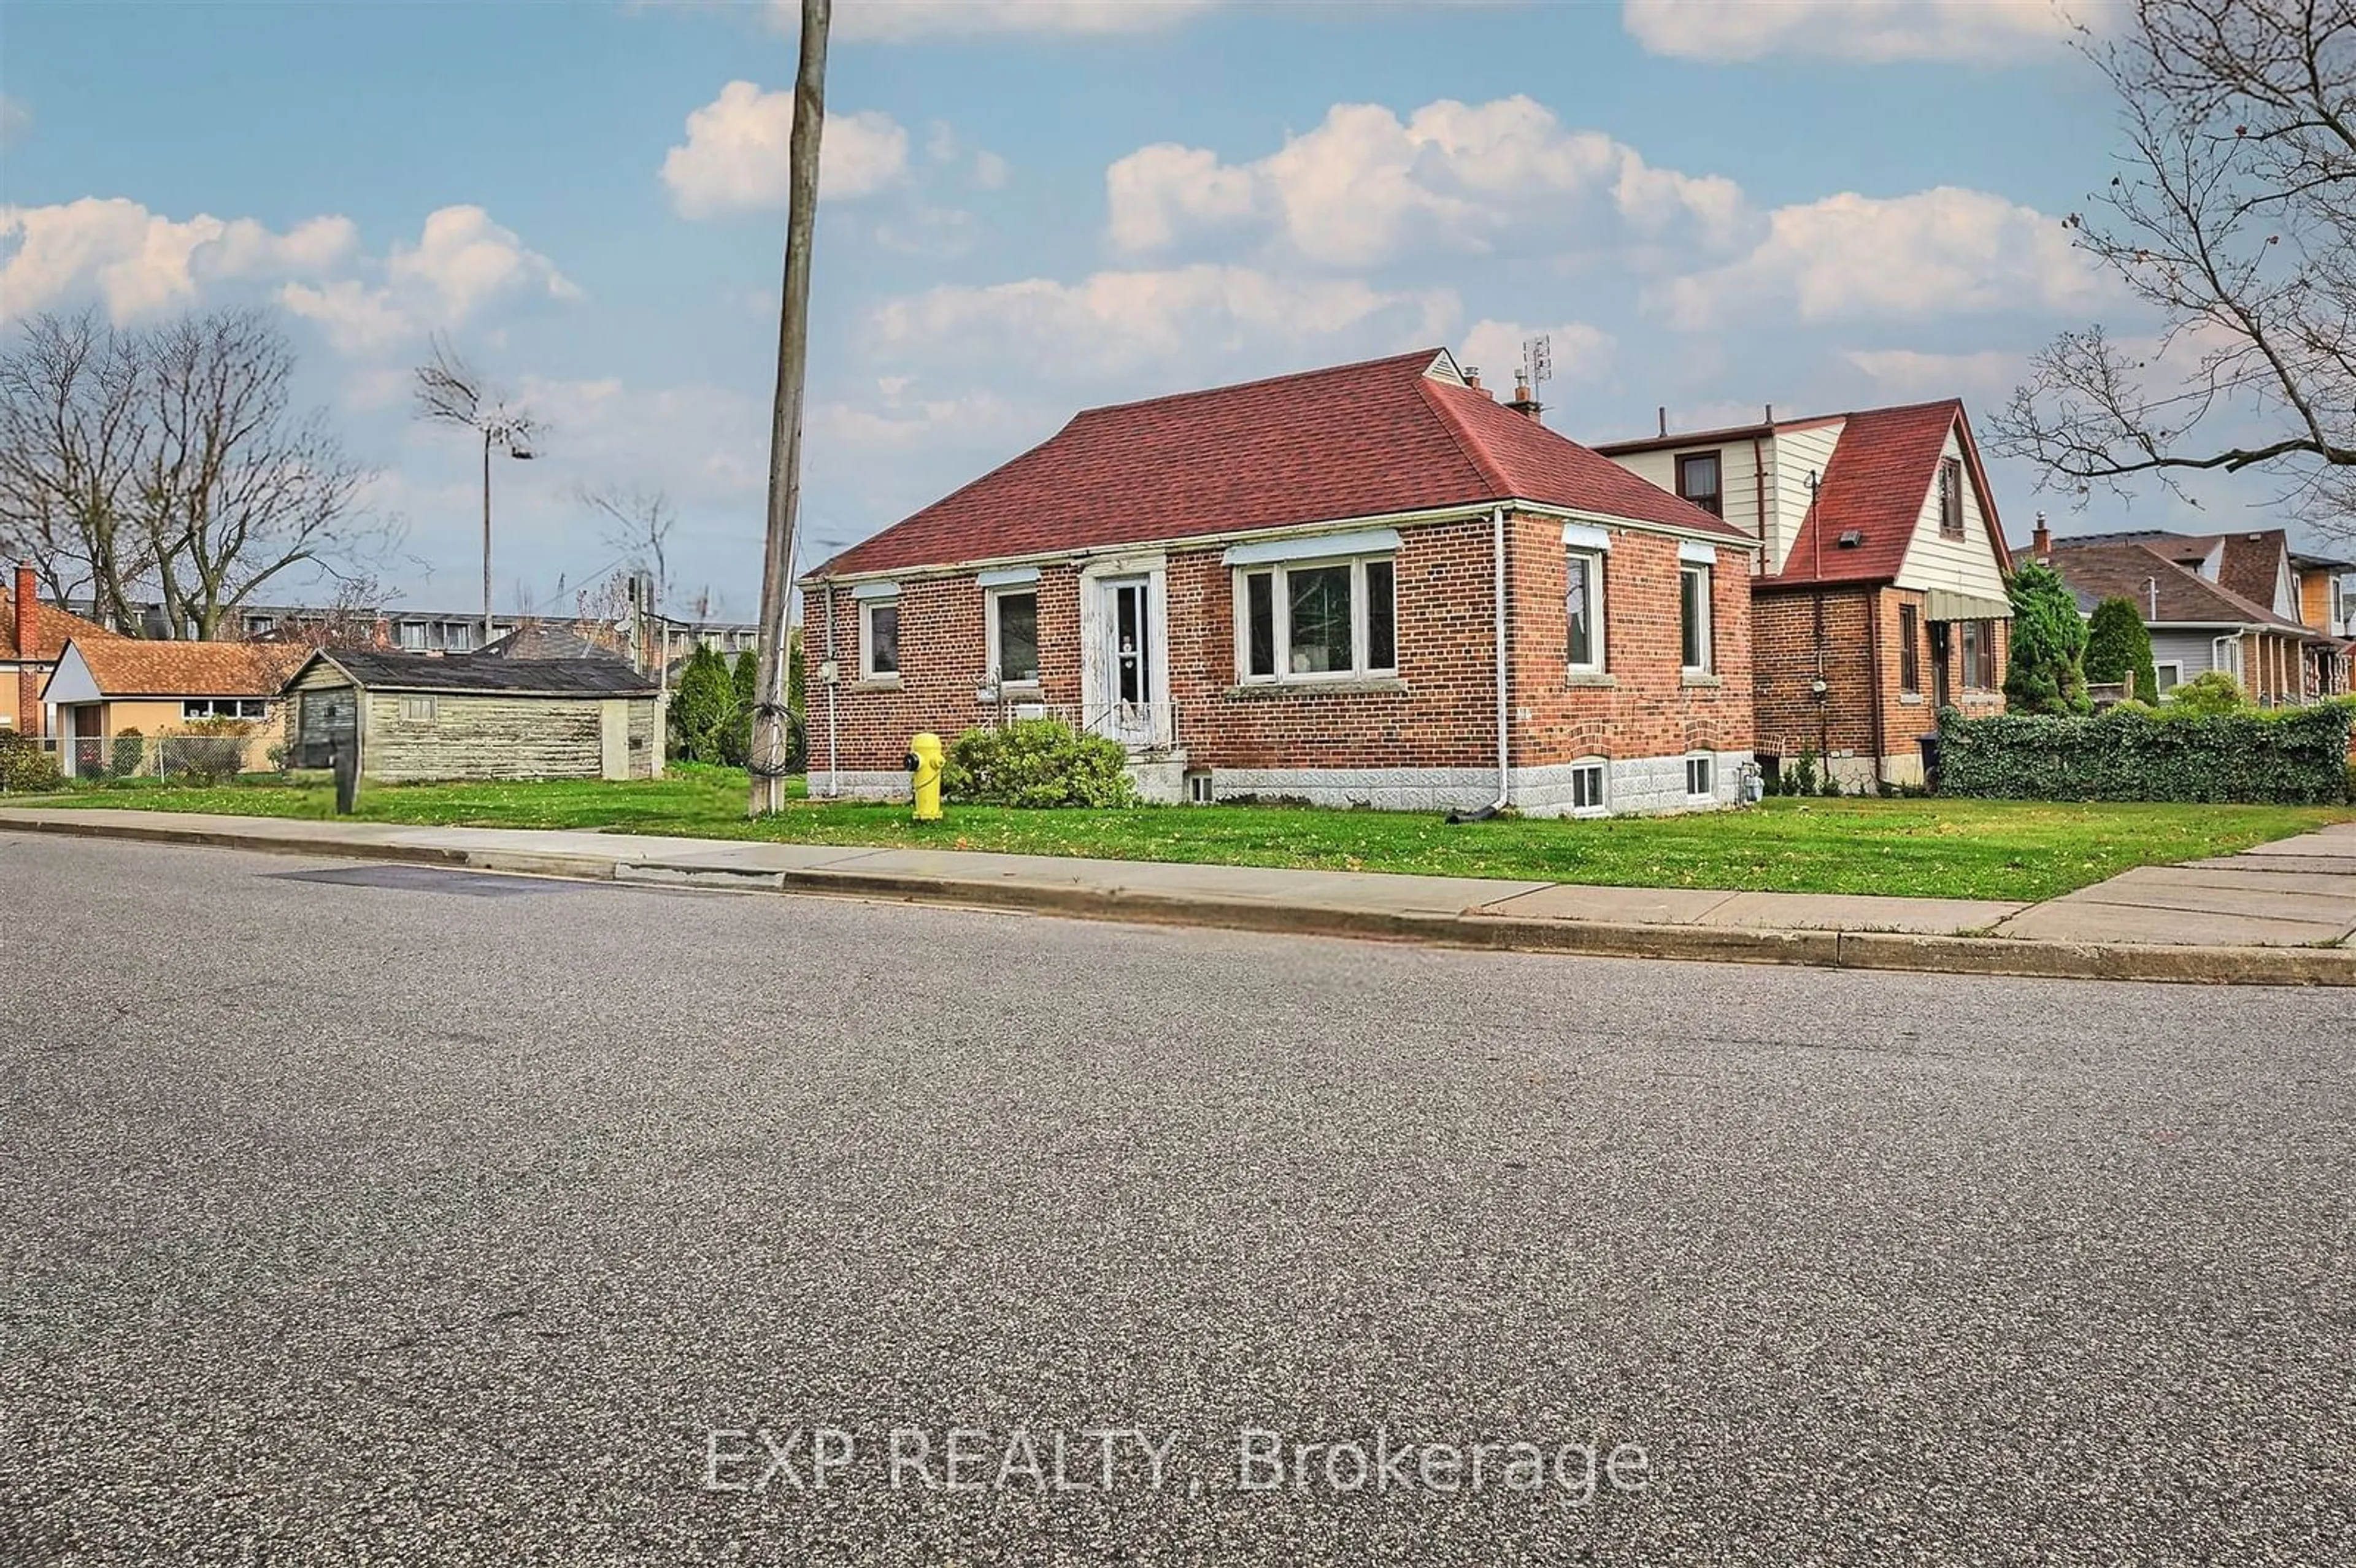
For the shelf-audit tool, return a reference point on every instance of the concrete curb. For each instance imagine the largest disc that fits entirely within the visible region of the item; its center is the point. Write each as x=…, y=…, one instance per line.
x=2008, y=956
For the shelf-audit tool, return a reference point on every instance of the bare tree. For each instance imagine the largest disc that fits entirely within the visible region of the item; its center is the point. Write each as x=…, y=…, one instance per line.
x=2234, y=219
x=771, y=726
x=353, y=618
x=74, y=419
x=173, y=461
x=451, y=391
x=638, y=525
x=236, y=488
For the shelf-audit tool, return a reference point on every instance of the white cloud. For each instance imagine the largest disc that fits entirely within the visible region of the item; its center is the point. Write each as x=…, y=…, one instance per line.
x=1116, y=319
x=140, y=261
x=1580, y=353
x=990, y=170
x=15, y=119
x=1365, y=187
x=735, y=157
x=1996, y=31
x=898, y=422
x=1910, y=373
x=1936, y=253
x=461, y=263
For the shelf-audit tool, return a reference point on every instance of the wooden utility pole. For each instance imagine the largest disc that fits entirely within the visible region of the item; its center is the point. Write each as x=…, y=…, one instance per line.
x=772, y=727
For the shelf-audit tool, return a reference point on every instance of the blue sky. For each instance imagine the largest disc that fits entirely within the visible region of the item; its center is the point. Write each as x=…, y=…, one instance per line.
x=1034, y=206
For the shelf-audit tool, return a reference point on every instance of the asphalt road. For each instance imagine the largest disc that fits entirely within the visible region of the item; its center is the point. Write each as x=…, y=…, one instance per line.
x=354, y=1215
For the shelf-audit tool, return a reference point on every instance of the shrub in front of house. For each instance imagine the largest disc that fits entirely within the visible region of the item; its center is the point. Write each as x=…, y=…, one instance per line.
x=211, y=752
x=130, y=751
x=1036, y=762
x=24, y=767
x=2296, y=756
x=2210, y=692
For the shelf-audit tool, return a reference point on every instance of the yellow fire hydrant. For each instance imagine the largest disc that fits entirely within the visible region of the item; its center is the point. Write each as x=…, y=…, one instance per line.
x=925, y=775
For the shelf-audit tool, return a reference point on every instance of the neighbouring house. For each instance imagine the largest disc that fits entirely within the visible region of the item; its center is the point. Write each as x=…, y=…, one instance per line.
x=414, y=717
x=1367, y=585
x=172, y=695
x=32, y=635
x=2212, y=602
x=415, y=631
x=1880, y=596
x=560, y=640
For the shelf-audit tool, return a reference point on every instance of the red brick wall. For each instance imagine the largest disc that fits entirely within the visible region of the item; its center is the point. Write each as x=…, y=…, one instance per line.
x=1862, y=635
x=1647, y=710
x=1438, y=713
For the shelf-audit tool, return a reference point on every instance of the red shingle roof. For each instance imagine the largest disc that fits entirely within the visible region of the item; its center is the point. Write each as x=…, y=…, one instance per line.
x=132, y=667
x=1355, y=441
x=52, y=629
x=1880, y=477
x=2143, y=570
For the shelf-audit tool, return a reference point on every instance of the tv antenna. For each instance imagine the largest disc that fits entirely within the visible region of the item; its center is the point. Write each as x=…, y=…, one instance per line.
x=1537, y=359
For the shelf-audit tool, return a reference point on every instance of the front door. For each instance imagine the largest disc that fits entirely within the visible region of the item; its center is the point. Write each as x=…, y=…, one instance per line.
x=1127, y=713
x=1942, y=640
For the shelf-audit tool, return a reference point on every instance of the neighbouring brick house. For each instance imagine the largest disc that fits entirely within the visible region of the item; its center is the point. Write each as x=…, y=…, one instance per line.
x=32, y=637
x=1290, y=588
x=2234, y=602
x=1880, y=597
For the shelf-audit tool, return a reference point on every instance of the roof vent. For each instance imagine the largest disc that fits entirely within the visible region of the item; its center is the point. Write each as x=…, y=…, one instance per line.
x=1851, y=538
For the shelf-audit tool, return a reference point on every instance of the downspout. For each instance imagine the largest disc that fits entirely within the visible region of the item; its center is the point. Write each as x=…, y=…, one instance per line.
x=1504, y=751
x=833, y=685
x=1873, y=673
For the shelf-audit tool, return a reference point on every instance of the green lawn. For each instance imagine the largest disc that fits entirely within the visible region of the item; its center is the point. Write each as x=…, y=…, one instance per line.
x=1956, y=848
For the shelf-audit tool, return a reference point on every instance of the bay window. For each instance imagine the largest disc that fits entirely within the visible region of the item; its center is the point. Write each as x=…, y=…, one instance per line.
x=1316, y=619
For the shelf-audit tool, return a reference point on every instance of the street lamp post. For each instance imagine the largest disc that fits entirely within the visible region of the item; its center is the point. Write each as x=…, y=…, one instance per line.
x=492, y=434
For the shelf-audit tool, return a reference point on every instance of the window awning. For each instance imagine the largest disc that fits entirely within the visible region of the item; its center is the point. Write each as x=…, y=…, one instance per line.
x=1947, y=604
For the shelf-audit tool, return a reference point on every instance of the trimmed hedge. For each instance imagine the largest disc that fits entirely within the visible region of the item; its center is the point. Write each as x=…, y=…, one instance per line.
x=2291, y=757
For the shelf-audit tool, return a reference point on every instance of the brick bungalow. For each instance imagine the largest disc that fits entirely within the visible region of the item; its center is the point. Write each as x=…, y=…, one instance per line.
x=1881, y=593
x=1296, y=588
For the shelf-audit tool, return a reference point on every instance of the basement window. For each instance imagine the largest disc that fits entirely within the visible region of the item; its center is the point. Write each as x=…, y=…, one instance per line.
x=1586, y=789
x=1700, y=777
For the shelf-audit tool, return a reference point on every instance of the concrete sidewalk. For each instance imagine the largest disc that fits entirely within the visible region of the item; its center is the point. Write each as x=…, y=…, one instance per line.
x=2144, y=925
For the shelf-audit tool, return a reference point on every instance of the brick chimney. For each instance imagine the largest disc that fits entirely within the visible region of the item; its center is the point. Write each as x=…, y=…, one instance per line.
x=2040, y=538
x=28, y=680
x=1524, y=403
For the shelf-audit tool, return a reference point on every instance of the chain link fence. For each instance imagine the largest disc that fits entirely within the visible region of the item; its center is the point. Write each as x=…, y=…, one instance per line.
x=187, y=757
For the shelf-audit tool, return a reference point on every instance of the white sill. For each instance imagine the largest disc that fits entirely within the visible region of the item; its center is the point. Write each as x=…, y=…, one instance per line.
x=876, y=683
x=1590, y=813
x=1007, y=691
x=1595, y=677
x=1317, y=684
x=1911, y=699
x=1702, y=678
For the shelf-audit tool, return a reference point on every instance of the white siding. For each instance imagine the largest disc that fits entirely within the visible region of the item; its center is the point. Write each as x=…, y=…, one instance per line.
x=1738, y=477
x=1968, y=565
x=1792, y=457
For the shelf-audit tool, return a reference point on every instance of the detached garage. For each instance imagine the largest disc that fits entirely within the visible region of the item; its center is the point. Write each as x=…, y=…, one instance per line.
x=416, y=718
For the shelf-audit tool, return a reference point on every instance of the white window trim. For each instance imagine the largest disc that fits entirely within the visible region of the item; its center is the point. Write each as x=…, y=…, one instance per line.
x=1016, y=588
x=1707, y=638
x=2226, y=654
x=2175, y=665
x=1602, y=806
x=868, y=605
x=1710, y=763
x=1596, y=560
x=1309, y=549
x=1280, y=612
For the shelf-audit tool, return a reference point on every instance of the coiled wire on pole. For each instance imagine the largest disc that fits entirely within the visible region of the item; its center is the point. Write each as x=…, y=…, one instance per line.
x=787, y=762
